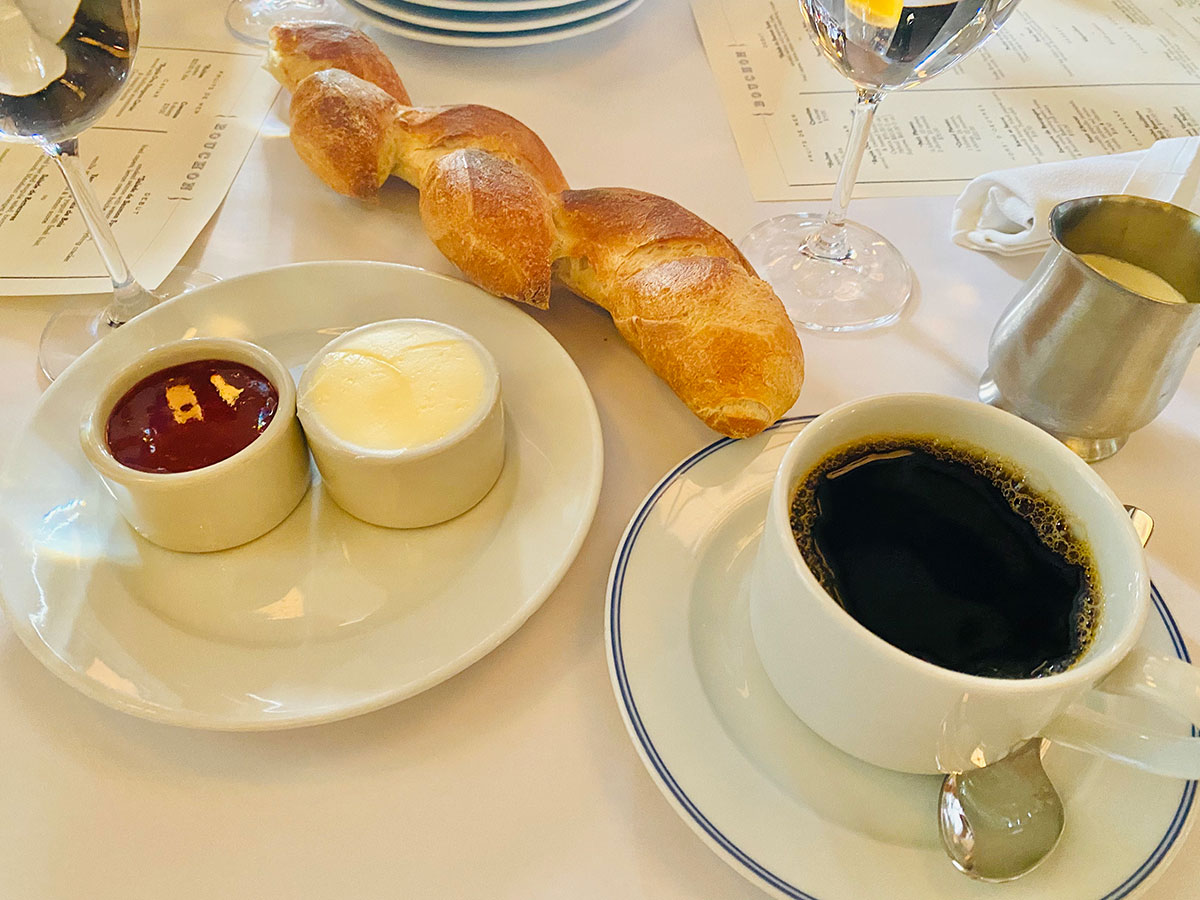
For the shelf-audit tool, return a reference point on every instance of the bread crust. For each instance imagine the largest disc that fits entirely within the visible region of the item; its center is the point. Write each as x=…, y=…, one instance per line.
x=621, y=231
x=712, y=332
x=430, y=133
x=494, y=221
x=297, y=49
x=342, y=128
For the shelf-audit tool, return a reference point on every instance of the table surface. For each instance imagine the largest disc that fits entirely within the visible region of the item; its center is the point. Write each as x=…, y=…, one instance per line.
x=516, y=778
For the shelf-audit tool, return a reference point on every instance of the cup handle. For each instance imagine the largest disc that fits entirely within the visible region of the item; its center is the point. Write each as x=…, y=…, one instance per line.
x=1169, y=683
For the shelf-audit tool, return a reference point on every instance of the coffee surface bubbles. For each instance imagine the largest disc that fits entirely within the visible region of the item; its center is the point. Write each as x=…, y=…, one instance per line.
x=948, y=555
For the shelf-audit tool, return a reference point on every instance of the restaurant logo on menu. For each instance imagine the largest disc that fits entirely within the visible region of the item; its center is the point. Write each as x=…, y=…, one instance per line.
x=750, y=79
x=202, y=158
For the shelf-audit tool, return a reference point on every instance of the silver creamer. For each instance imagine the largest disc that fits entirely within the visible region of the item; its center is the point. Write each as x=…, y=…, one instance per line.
x=1084, y=357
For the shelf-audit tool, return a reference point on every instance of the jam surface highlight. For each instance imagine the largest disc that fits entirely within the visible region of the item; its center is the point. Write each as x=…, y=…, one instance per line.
x=189, y=416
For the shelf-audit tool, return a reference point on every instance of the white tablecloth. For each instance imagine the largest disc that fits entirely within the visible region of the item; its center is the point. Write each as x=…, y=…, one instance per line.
x=515, y=779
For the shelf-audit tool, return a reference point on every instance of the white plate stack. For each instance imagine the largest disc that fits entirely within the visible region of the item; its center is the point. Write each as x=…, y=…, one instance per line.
x=491, y=23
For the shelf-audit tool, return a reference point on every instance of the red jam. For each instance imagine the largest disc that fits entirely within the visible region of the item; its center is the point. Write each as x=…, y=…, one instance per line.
x=190, y=416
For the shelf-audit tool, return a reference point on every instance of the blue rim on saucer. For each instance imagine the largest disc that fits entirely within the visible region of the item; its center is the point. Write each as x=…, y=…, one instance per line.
x=753, y=868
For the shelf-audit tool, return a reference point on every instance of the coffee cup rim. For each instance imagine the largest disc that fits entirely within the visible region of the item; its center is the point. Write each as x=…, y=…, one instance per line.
x=1091, y=669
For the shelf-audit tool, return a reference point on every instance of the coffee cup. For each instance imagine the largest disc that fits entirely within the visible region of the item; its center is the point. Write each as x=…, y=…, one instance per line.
x=895, y=710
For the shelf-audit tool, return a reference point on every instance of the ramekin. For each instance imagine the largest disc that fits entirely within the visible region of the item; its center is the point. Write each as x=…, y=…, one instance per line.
x=416, y=486
x=215, y=507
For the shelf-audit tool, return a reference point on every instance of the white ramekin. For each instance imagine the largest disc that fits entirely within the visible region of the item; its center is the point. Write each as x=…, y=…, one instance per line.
x=414, y=486
x=219, y=506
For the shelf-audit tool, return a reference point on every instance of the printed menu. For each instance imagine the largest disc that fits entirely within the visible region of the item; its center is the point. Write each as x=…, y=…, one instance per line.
x=1063, y=79
x=160, y=160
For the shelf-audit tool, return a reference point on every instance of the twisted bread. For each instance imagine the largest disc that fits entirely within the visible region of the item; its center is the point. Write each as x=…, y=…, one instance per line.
x=495, y=202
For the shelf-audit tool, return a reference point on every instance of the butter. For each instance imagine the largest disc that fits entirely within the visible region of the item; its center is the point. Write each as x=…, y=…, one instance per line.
x=402, y=385
x=1133, y=278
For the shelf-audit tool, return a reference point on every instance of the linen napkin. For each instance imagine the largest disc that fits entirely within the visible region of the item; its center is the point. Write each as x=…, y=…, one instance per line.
x=1007, y=212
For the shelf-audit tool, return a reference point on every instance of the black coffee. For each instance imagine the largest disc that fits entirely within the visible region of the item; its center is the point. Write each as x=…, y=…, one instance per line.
x=948, y=556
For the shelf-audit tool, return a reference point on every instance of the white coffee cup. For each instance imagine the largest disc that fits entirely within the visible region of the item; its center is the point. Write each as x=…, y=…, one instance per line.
x=882, y=705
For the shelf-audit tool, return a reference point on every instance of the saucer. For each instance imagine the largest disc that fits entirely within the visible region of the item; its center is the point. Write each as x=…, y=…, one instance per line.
x=788, y=811
x=325, y=616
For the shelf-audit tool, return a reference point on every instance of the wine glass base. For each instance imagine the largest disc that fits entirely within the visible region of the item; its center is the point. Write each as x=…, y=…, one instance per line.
x=182, y=279
x=867, y=288
x=251, y=20
x=69, y=333
x=74, y=329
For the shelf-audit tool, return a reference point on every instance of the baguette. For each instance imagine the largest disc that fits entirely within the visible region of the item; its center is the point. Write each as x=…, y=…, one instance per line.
x=494, y=201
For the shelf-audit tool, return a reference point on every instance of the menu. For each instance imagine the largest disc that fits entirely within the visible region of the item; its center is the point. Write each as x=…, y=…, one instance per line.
x=161, y=161
x=1063, y=79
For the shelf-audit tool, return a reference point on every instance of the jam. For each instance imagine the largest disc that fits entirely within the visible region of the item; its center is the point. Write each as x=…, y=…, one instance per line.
x=190, y=416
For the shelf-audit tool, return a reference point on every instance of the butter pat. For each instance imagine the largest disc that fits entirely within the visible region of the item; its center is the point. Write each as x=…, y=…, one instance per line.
x=405, y=421
x=404, y=385
x=1133, y=278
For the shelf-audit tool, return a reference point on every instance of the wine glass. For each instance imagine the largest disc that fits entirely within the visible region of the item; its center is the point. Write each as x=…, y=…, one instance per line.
x=830, y=273
x=251, y=20
x=61, y=66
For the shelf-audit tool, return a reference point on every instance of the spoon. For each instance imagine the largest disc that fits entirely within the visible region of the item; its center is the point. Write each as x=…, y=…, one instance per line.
x=999, y=821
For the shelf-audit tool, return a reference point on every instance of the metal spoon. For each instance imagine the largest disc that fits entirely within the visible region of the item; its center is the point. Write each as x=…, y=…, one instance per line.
x=999, y=821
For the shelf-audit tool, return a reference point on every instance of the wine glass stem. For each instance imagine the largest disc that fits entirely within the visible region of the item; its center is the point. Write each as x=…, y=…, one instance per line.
x=829, y=241
x=129, y=297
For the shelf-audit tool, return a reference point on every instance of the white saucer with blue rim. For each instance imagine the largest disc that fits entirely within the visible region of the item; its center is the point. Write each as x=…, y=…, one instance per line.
x=794, y=815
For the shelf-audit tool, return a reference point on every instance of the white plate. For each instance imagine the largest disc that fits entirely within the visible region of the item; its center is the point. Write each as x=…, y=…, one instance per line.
x=791, y=813
x=489, y=21
x=483, y=6
x=326, y=616
x=489, y=39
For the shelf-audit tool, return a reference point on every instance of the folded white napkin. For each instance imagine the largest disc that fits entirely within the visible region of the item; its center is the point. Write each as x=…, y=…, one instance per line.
x=1007, y=212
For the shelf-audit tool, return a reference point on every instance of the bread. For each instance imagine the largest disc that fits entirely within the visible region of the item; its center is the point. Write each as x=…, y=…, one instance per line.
x=345, y=133
x=687, y=301
x=494, y=220
x=495, y=202
x=298, y=49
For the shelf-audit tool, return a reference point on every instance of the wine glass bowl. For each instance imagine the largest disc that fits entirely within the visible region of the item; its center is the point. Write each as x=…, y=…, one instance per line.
x=885, y=44
x=835, y=275
x=89, y=55
x=61, y=67
x=251, y=20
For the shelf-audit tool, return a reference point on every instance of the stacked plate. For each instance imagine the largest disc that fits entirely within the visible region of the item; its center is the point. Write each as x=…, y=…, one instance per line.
x=491, y=23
